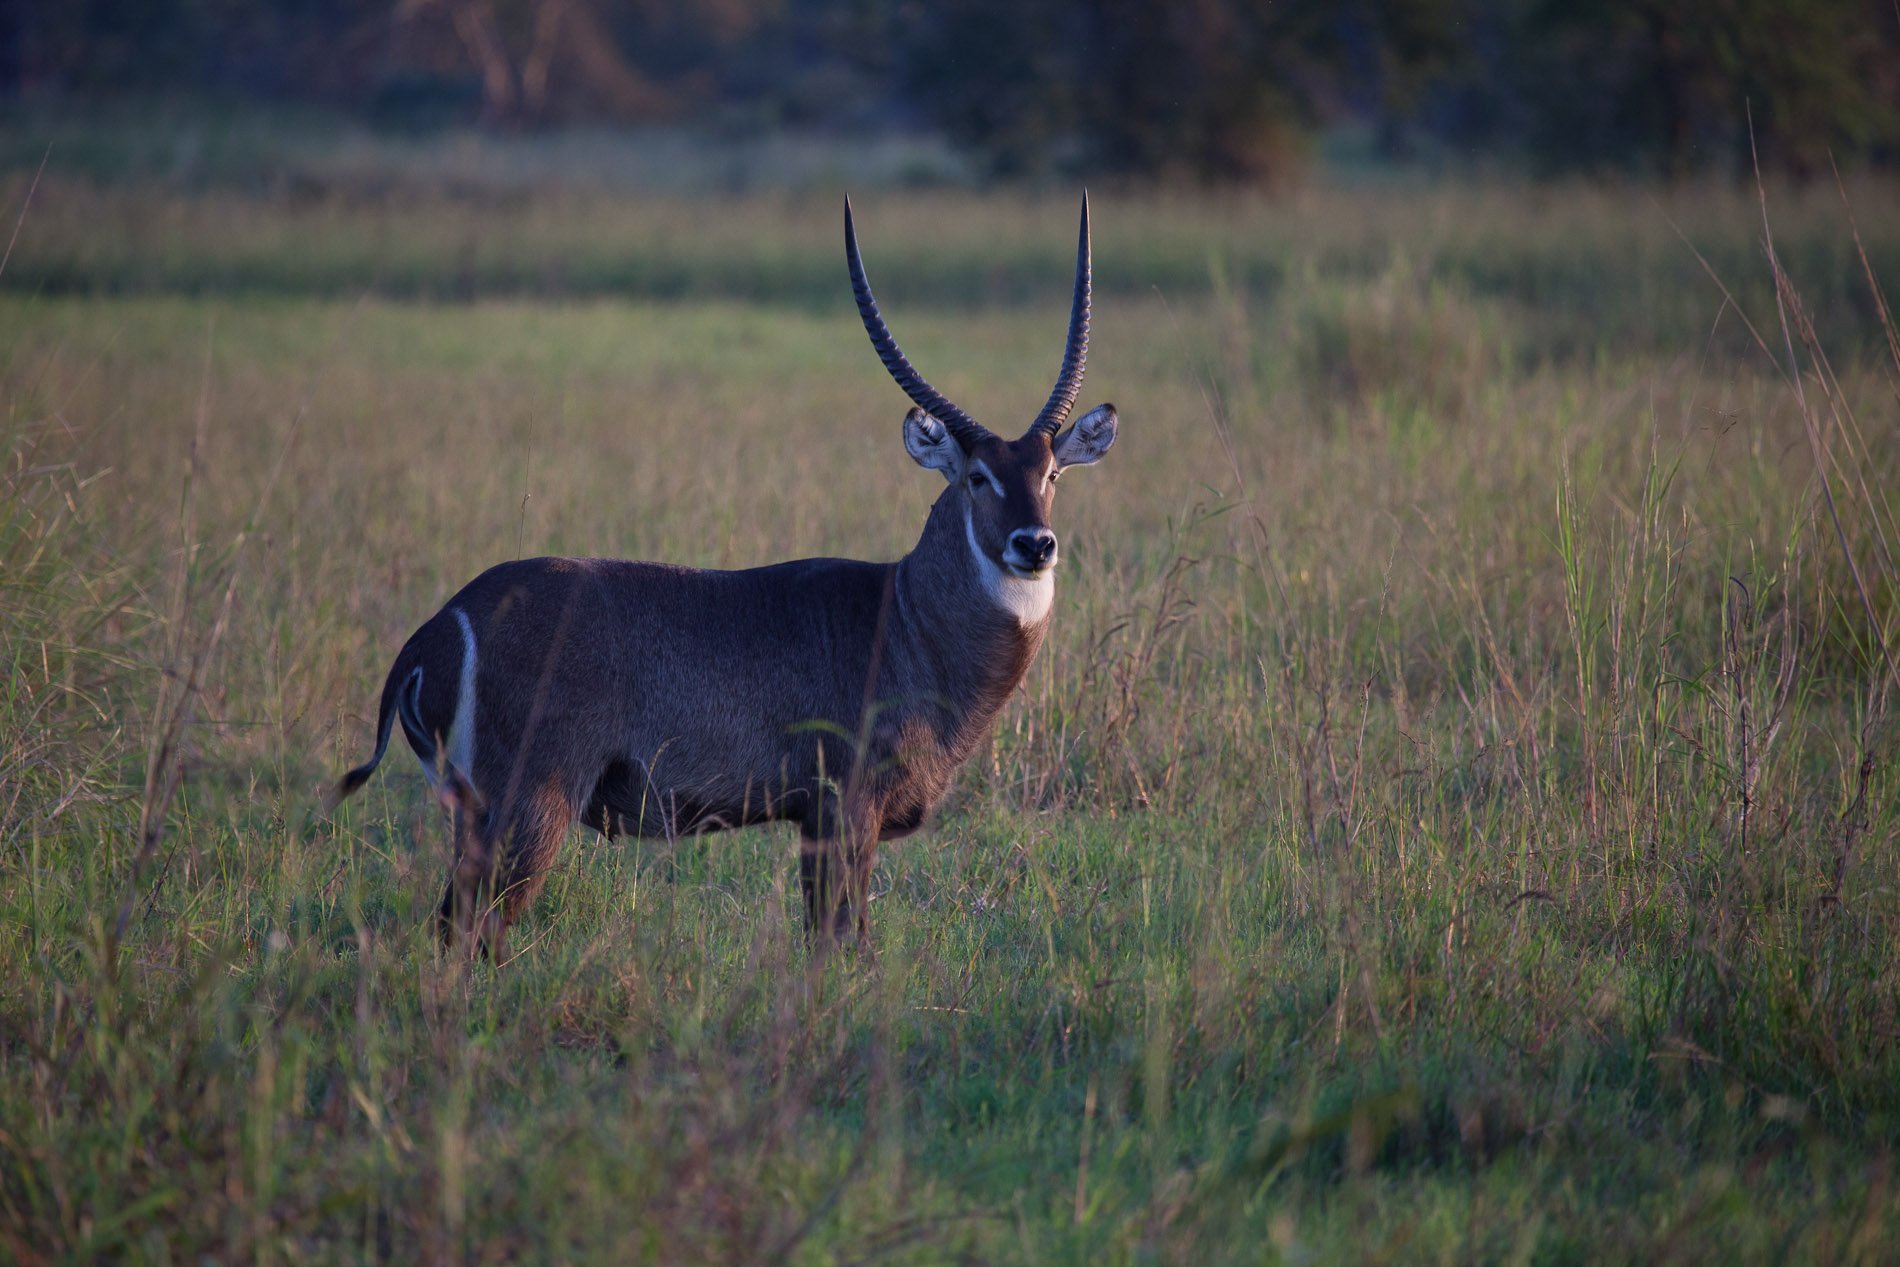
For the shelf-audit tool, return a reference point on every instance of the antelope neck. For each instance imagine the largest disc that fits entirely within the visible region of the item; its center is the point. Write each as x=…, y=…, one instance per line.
x=962, y=605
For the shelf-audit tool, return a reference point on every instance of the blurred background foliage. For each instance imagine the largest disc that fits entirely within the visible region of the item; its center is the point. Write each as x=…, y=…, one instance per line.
x=1201, y=90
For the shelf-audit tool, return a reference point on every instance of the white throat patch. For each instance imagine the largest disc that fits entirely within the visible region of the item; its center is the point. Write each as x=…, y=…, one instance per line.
x=1027, y=599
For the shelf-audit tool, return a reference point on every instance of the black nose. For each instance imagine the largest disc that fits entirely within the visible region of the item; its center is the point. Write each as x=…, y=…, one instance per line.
x=1035, y=546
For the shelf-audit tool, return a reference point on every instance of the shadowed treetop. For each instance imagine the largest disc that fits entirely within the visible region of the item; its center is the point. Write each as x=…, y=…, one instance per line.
x=1214, y=90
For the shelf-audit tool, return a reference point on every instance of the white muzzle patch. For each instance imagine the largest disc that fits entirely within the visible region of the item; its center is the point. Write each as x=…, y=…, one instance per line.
x=1027, y=598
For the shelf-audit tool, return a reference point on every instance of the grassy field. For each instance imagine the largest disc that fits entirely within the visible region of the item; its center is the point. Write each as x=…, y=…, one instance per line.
x=1453, y=818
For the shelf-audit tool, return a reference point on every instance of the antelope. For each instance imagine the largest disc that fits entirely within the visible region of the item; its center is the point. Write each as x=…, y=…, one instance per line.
x=658, y=700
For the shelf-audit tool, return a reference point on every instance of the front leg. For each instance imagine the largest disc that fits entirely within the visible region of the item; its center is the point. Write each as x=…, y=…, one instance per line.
x=834, y=873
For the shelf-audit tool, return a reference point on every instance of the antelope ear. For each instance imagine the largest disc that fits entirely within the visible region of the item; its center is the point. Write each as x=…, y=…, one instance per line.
x=1086, y=442
x=931, y=446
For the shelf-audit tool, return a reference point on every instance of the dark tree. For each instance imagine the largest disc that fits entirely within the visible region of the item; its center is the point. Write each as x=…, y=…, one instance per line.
x=1669, y=85
x=1219, y=89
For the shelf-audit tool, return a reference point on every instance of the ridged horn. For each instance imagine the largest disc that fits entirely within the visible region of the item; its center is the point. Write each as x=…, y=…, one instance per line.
x=966, y=429
x=1076, y=355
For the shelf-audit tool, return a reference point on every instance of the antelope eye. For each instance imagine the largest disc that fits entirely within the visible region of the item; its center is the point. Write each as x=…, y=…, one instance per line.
x=977, y=481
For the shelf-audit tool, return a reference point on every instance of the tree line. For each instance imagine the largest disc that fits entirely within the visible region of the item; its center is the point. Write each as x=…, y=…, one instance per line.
x=1217, y=90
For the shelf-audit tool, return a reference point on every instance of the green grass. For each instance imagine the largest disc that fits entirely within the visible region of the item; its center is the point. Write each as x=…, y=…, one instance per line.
x=1453, y=818
x=1571, y=273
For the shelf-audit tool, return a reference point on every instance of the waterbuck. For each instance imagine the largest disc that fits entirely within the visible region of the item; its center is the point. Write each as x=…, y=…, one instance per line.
x=659, y=700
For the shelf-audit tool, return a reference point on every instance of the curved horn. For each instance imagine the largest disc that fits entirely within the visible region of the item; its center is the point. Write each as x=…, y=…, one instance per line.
x=966, y=429
x=1076, y=355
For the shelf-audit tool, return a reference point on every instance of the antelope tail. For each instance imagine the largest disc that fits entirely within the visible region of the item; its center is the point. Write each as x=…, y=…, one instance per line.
x=402, y=696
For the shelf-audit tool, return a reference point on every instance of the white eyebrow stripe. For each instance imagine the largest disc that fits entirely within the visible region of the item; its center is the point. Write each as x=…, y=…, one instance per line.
x=996, y=485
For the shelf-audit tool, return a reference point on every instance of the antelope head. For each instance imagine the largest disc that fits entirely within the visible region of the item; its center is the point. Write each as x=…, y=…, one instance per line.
x=1006, y=486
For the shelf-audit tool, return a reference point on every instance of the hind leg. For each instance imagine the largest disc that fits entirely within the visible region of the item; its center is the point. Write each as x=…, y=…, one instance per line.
x=501, y=864
x=470, y=858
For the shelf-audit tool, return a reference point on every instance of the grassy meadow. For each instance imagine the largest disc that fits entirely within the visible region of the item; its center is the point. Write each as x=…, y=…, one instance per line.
x=1453, y=819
